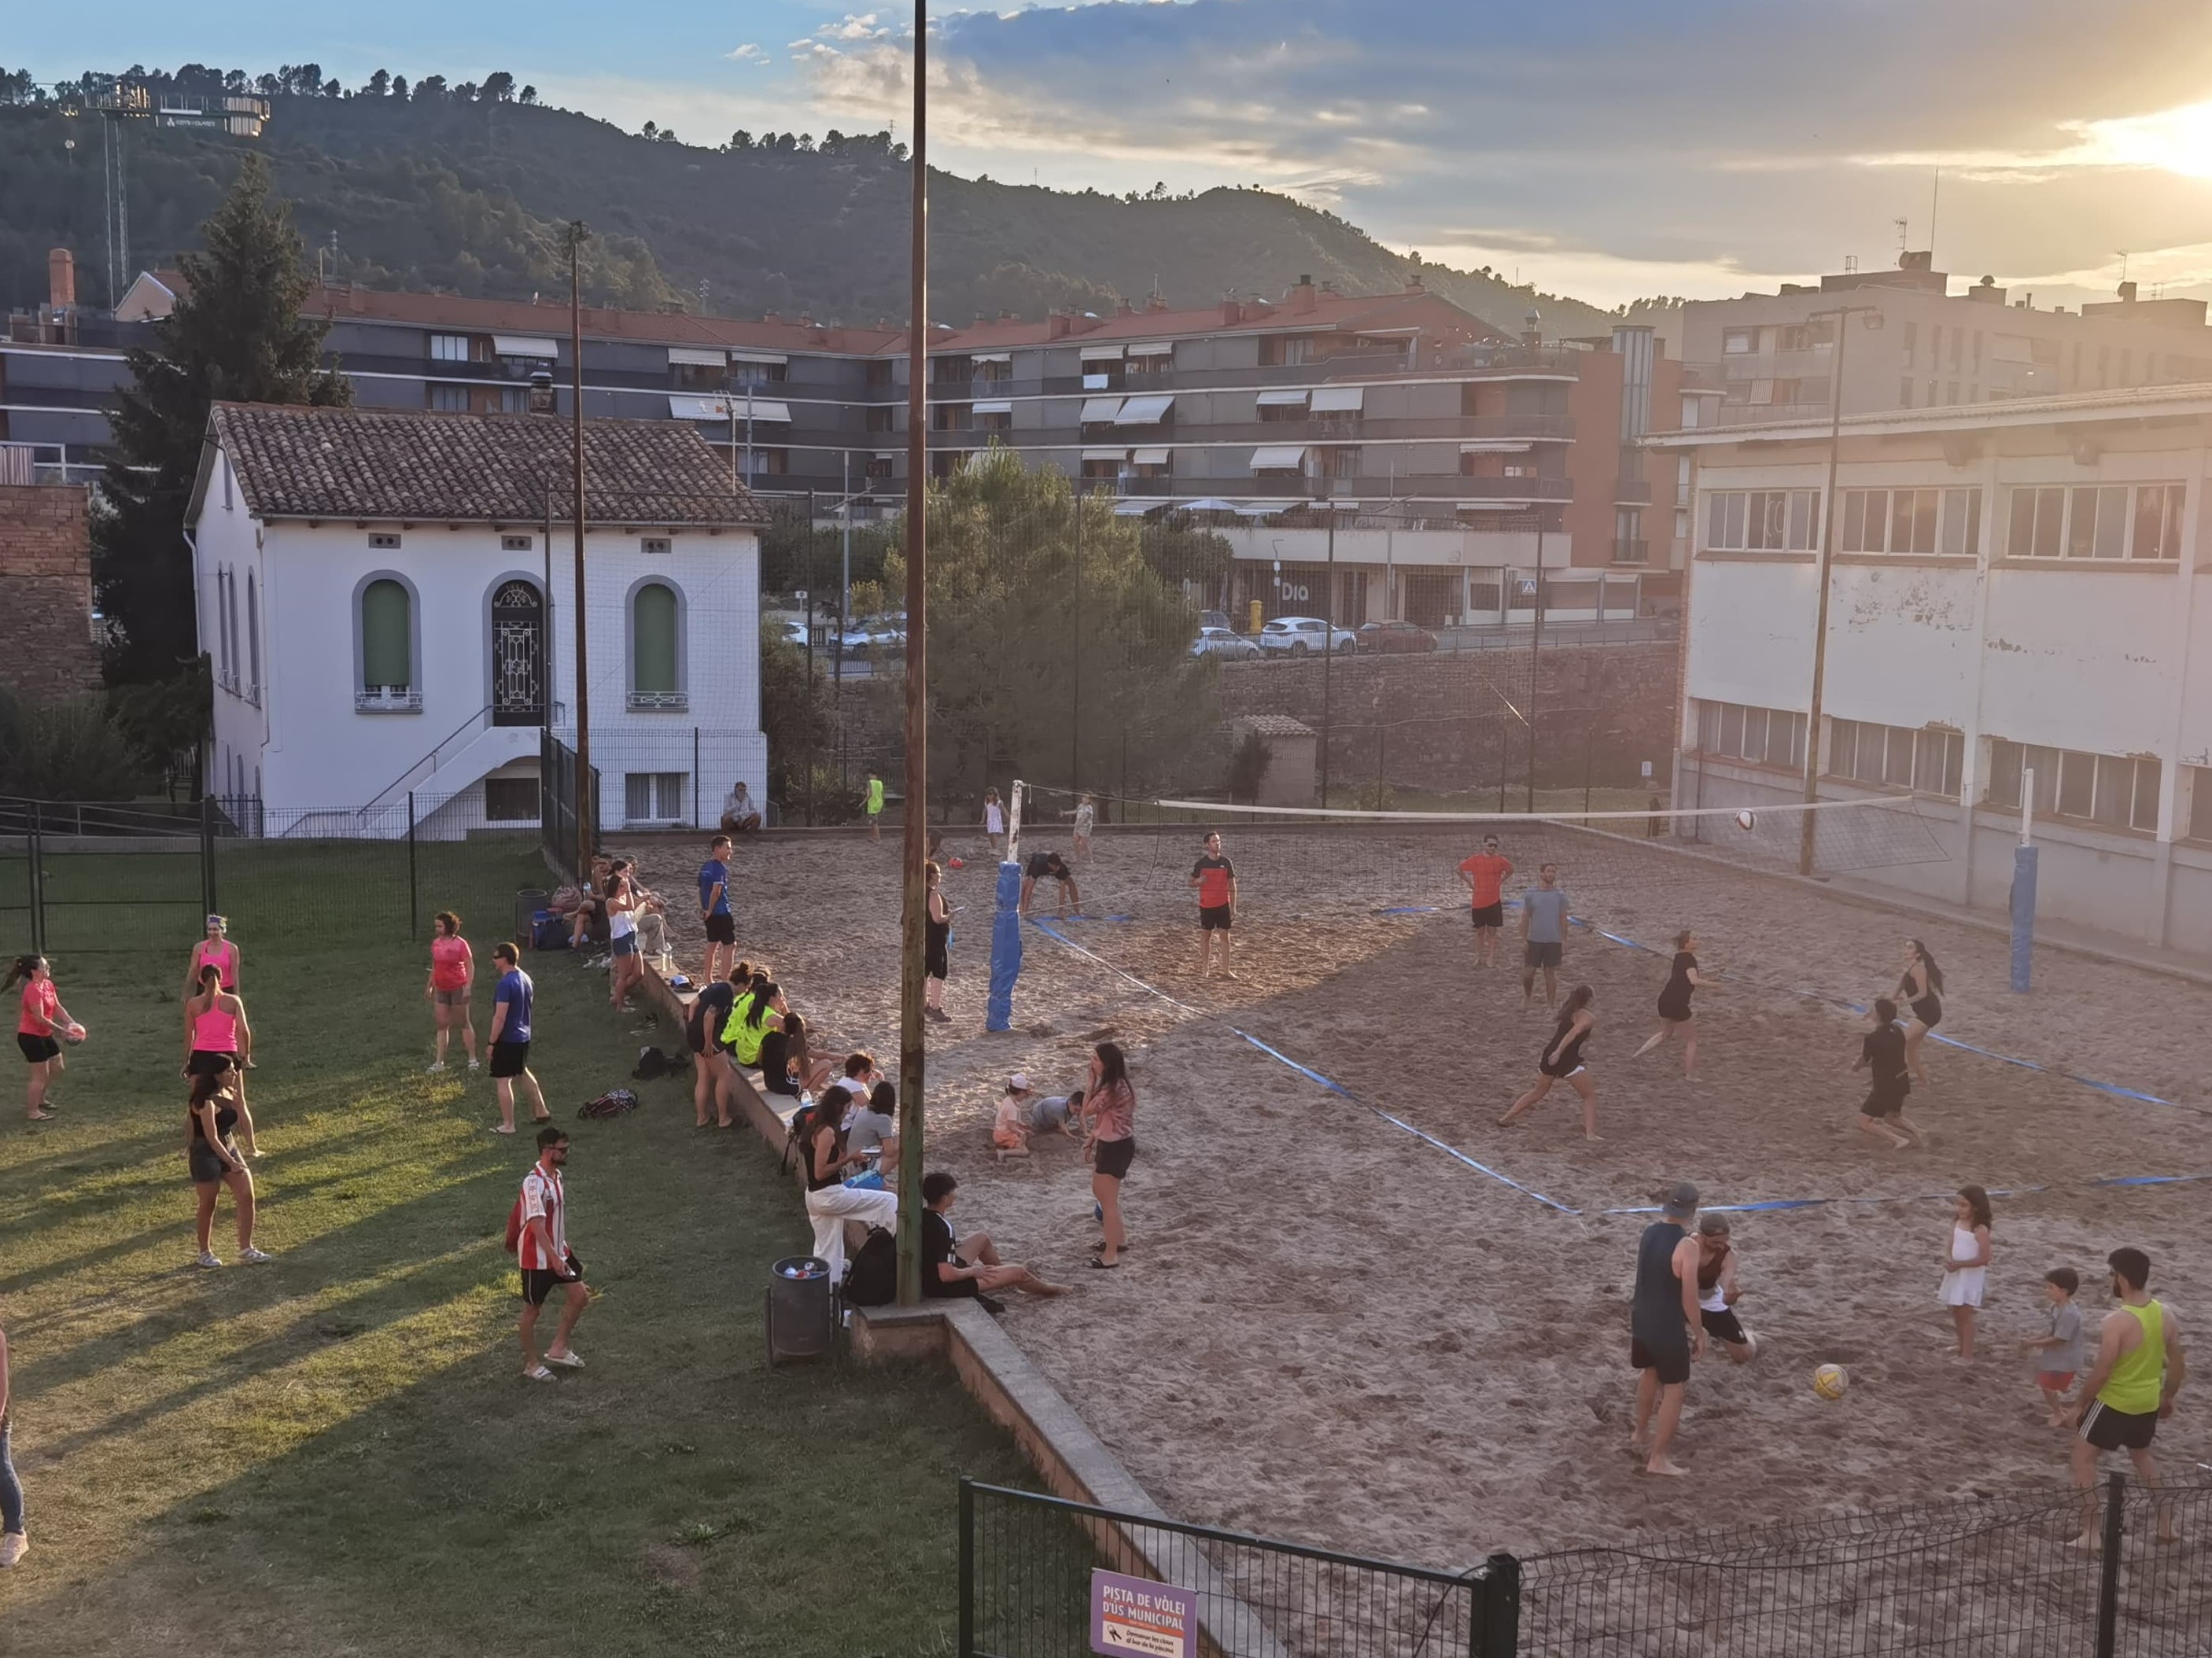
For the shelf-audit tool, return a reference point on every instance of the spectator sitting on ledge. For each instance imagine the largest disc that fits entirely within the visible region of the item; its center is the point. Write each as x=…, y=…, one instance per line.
x=739, y=815
x=954, y=1266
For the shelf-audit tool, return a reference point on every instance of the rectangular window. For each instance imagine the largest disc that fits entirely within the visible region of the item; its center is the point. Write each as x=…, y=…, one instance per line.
x=1962, y=533
x=1909, y=341
x=1905, y=392
x=2117, y=791
x=449, y=348
x=653, y=797
x=2108, y=521
x=1760, y=737
x=1734, y=341
x=2077, y=783
x=1762, y=520
x=511, y=801
x=2200, y=802
x=1926, y=760
x=450, y=400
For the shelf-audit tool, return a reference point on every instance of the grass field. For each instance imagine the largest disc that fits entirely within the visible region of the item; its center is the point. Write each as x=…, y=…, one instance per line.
x=335, y=1452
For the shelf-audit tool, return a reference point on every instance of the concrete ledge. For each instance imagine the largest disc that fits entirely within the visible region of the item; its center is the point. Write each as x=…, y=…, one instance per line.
x=886, y=1334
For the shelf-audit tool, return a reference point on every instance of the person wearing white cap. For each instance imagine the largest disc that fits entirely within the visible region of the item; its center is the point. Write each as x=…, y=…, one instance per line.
x=1011, y=1129
x=1665, y=1331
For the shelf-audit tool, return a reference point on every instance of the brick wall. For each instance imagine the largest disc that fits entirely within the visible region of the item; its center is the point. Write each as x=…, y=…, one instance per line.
x=46, y=592
x=1452, y=720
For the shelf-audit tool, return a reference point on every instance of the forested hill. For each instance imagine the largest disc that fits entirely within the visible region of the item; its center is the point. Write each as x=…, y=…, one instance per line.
x=468, y=195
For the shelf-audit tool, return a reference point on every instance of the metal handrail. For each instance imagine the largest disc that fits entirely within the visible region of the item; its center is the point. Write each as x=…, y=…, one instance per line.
x=408, y=779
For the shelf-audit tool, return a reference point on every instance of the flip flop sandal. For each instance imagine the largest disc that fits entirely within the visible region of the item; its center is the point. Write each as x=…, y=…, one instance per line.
x=1104, y=1265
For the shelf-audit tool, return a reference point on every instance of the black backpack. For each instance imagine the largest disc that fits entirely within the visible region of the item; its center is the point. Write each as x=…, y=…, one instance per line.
x=651, y=1063
x=872, y=1278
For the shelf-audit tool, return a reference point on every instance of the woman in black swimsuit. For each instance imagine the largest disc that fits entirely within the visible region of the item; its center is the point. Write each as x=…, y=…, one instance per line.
x=1562, y=1062
x=1921, y=988
x=937, y=944
x=1675, y=1016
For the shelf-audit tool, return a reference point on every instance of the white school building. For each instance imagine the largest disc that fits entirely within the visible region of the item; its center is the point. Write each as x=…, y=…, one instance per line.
x=2015, y=586
x=387, y=600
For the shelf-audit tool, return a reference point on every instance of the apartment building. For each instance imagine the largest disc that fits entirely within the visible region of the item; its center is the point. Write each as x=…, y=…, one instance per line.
x=2019, y=588
x=1451, y=460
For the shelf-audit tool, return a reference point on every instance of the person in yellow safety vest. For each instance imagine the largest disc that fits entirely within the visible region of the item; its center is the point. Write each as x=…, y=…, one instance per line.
x=753, y=1016
x=2140, y=1367
x=875, y=807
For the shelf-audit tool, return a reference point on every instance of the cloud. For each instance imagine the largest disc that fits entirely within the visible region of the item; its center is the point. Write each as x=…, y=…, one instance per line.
x=748, y=53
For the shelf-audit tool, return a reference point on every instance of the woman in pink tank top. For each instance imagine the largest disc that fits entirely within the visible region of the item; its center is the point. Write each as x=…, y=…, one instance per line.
x=216, y=951
x=217, y=1037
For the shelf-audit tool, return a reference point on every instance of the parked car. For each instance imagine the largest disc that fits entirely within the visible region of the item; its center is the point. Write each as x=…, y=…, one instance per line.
x=1301, y=635
x=1215, y=619
x=1390, y=638
x=795, y=633
x=1219, y=641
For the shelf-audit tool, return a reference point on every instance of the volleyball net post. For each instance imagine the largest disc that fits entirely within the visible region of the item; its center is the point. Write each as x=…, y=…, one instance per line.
x=1006, y=922
x=2023, y=889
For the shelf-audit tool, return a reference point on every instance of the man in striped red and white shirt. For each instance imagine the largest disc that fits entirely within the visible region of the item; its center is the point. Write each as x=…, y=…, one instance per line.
x=546, y=1259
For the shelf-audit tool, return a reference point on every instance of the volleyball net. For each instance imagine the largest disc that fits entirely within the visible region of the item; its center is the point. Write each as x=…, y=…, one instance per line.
x=1291, y=860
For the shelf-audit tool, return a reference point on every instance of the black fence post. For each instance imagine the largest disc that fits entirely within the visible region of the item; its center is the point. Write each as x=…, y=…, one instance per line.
x=2108, y=1585
x=697, y=822
x=966, y=1646
x=38, y=879
x=414, y=923
x=208, y=895
x=1493, y=1623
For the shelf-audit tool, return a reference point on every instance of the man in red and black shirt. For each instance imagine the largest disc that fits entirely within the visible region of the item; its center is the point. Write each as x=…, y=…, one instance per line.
x=1213, y=878
x=546, y=1261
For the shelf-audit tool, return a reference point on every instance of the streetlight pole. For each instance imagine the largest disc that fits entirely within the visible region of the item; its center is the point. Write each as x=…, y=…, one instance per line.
x=1327, y=633
x=1075, y=655
x=587, y=806
x=914, y=912
x=1536, y=642
x=1843, y=314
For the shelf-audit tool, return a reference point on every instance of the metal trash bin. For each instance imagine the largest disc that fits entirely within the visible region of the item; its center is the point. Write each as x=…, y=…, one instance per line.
x=527, y=903
x=801, y=1309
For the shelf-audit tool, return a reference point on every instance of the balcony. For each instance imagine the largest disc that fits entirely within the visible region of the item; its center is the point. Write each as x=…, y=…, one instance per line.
x=1766, y=414
x=1447, y=486
x=1631, y=492
x=1628, y=550
x=658, y=702
x=387, y=699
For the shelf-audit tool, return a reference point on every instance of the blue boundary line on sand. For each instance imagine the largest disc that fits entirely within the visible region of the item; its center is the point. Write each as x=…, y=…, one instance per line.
x=1307, y=1071
x=1767, y=1206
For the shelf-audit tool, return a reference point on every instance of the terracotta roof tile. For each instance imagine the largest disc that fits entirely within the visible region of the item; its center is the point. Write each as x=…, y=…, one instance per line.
x=384, y=463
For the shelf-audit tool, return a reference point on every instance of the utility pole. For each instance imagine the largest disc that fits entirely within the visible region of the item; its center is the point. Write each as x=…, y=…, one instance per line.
x=1327, y=633
x=914, y=912
x=1075, y=675
x=844, y=588
x=587, y=807
x=1843, y=314
x=1535, y=641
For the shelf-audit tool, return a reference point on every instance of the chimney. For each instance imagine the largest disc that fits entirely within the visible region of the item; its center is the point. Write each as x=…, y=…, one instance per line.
x=771, y=316
x=541, y=401
x=806, y=319
x=1301, y=296
x=1531, y=327
x=1123, y=308
x=1008, y=316
x=1057, y=324
x=1232, y=312
x=61, y=278
x=2127, y=293
x=1414, y=283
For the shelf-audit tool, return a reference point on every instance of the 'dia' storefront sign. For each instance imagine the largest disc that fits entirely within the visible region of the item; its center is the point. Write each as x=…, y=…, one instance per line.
x=1135, y=1615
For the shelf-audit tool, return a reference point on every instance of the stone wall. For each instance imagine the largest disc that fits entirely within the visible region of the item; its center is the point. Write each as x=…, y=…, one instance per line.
x=1454, y=721
x=46, y=592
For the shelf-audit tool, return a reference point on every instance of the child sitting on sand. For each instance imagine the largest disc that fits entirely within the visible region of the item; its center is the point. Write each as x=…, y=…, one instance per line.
x=1009, y=1130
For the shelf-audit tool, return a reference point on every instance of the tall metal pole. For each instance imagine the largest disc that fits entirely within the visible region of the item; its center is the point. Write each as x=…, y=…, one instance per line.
x=1075, y=655
x=844, y=590
x=914, y=912
x=587, y=806
x=1535, y=639
x=1807, y=826
x=1328, y=640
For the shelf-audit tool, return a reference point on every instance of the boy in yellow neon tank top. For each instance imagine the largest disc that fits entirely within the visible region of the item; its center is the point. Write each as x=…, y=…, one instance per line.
x=2140, y=1367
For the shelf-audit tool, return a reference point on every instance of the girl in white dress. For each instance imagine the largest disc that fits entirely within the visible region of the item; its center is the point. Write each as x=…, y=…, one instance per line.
x=994, y=820
x=1966, y=1264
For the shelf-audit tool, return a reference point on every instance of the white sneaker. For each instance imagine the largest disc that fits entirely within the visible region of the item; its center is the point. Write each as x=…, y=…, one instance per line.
x=207, y=1259
x=473, y=1066
x=13, y=1546
x=253, y=1255
x=434, y=1067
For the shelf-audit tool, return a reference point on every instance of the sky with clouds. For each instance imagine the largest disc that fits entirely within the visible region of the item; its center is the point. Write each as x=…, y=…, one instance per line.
x=1607, y=148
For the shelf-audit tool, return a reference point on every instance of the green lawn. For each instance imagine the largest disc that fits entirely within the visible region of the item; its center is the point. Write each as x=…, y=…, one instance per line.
x=335, y=1454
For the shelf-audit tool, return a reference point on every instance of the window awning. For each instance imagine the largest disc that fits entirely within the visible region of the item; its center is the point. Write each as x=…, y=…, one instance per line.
x=1150, y=457
x=1278, y=458
x=1002, y=407
x=523, y=345
x=1261, y=508
x=1101, y=353
x=1100, y=408
x=698, y=409
x=1494, y=446
x=1206, y=504
x=759, y=409
x=1133, y=508
x=1152, y=348
x=1105, y=454
x=758, y=357
x=1339, y=397
x=1144, y=411
x=990, y=357
x=1282, y=399
x=690, y=357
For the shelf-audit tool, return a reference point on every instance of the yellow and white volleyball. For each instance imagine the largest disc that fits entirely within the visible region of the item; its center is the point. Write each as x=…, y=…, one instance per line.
x=1744, y=820
x=75, y=1032
x=1829, y=1382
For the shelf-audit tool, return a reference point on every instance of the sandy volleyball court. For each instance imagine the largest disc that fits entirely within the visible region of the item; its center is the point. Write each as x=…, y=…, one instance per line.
x=1327, y=1329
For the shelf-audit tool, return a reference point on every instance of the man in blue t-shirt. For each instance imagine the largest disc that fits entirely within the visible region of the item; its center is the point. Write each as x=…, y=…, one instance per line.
x=1543, y=933
x=714, y=910
x=510, y=1039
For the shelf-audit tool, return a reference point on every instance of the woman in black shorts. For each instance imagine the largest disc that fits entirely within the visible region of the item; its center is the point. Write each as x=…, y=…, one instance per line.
x=1562, y=1061
x=702, y=1034
x=937, y=944
x=1921, y=989
x=1109, y=1110
x=1676, y=1017
x=215, y=1162
x=44, y=1025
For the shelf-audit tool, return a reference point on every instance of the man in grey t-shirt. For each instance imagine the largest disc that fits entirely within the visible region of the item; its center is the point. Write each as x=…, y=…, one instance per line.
x=1543, y=933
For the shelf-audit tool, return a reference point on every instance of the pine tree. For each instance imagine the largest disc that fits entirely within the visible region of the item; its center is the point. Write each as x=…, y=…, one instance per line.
x=237, y=334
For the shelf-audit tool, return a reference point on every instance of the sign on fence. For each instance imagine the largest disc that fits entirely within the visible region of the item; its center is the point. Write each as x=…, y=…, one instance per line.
x=1136, y=1615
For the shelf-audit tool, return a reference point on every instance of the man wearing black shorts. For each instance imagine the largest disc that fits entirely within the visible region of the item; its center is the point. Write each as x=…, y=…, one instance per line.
x=1883, y=1054
x=2140, y=1367
x=714, y=910
x=1213, y=878
x=1665, y=1331
x=1043, y=864
x=511, y=1004
x=543, y=1252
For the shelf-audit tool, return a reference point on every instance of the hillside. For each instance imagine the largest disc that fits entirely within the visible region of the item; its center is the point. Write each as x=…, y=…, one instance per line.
x=469, y=195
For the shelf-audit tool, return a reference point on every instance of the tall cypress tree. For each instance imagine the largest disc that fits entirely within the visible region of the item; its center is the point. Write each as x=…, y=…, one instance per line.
x=237, y=334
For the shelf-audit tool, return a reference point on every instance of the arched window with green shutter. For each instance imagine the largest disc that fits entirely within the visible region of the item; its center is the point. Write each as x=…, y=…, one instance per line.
x=654, y=663
x=387, y=636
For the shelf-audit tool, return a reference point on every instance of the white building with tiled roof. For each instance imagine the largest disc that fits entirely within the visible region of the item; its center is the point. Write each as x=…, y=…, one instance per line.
x=387, y=600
